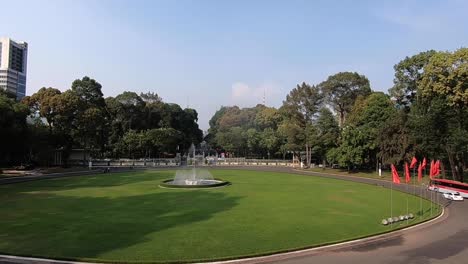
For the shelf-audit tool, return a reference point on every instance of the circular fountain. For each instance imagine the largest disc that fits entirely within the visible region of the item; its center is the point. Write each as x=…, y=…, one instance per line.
x=193, y=178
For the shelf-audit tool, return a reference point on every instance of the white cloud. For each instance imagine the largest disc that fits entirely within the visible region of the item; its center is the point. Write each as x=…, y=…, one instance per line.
x=240, y=90
x=244, y=95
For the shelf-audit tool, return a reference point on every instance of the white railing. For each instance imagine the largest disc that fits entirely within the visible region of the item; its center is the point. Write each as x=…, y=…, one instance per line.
x=250, y=162
x=135, y=163
x=172, y=162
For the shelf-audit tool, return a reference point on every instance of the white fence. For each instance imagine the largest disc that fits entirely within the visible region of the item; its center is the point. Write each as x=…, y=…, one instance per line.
x=190, y=161
x=135, y=163
x=250, y=162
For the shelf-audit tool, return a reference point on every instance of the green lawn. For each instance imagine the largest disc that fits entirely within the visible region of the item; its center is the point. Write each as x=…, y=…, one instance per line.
x=386, y=175
x=126, y=217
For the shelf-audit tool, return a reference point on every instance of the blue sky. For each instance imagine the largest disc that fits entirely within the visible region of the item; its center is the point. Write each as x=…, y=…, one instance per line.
x=212, y=53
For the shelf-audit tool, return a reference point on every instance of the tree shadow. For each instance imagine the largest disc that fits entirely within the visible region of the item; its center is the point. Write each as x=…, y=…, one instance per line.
x=98, y=180
x=47, y=224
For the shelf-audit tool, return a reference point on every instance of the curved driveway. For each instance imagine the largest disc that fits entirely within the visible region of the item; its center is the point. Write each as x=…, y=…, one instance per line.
x=444, y=240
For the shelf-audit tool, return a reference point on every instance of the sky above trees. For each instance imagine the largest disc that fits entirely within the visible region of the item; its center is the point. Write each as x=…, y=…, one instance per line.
x=227, y=51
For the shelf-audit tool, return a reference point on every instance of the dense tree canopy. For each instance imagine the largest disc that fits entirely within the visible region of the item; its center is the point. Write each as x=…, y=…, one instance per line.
x=342, y=89
x=408, y=73
x=340, y=121
x=127, y=125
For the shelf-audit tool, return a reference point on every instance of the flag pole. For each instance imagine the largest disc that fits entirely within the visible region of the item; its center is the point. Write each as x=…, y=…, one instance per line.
x=431, y=197
x=407, y=209
x=407, y=198
x=391, y=202
x=420, y=196
x=430, y=190
x=414, y=182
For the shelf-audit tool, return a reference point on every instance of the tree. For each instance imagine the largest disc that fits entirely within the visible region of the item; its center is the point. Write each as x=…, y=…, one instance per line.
x=161, y=140
x=303, y=102
x=189, y=127
x=327, y=133
x=12, y=129
x=301, y=107
x=439, y=119
x=130, y=110
x=89, y=91
x=351, y=152
x=363, y=128
x=394, y=140
x=446, y=75
x=151, y=98
x=233, y=140
x=253, y=140
x=43, y=104
x=268, y=117
x=228, y=118
x=342, y=89
x=408, y=73
x=132, y=144
x=291, y=137
x=269, y=140
x=91, y=116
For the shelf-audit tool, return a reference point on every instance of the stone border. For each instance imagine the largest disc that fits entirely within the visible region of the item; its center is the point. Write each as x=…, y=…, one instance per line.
x=219, y=183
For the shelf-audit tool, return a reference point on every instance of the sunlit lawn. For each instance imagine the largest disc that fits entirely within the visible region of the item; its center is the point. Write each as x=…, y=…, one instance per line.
x=127, y=217
x=386, y=175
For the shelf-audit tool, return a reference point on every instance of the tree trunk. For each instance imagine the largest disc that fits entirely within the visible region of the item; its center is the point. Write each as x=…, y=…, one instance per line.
x=310, y=155
x=453, y=166
x=342, y=118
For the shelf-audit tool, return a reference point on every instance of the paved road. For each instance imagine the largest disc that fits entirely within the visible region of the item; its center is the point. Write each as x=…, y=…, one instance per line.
x=443, y=241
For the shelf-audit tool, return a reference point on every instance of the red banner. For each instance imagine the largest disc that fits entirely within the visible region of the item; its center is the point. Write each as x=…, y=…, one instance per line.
x=414, y=161
x=431, y=169
x=436, y=168
x=407, y=173
x=395, y=176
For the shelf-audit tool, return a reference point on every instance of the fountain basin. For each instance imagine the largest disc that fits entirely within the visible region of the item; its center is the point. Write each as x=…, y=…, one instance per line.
x=193, y=184
x=193, y=178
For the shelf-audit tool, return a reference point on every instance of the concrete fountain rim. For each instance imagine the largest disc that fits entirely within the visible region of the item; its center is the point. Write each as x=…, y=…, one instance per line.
x=219, y=183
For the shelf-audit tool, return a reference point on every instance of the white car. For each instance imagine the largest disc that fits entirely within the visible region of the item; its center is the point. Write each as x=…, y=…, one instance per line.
x=453, y=196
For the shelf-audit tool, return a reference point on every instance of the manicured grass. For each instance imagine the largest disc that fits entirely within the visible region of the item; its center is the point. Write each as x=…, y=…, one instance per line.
x=386, y=175
x=126, y=217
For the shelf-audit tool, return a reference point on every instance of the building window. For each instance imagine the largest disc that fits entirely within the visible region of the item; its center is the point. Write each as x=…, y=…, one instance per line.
x=16, y=58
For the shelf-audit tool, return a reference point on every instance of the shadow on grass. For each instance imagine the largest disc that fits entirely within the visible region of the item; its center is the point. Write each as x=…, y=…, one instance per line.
x=97, y=180
x=43, y=224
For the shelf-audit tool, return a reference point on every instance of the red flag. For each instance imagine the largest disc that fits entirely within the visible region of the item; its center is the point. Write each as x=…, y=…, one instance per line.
x=436, y=168
x=407, y=173
x=395, y=176
x=420, y=173
x=414, y=161
x=431, y=170
x=424, y=163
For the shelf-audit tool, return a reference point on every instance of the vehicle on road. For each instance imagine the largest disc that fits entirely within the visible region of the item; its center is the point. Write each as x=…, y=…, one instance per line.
x=449, y=186
x=453, y=196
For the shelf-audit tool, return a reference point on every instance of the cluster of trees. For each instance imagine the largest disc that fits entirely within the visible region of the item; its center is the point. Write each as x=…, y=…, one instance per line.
x=128, y=125
x=338, y=121
x=342, y=121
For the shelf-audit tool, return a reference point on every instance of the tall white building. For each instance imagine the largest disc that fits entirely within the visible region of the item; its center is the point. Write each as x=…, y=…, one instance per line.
x=13, y=65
